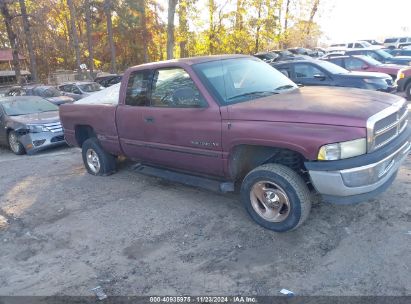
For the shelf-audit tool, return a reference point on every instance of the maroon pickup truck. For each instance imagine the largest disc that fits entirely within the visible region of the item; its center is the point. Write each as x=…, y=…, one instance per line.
x=223, y=121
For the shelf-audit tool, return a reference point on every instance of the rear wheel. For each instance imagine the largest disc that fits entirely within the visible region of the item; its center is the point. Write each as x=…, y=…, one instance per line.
x=276, y=197
x=408, y=91
x=96, y=160
x=15, y=145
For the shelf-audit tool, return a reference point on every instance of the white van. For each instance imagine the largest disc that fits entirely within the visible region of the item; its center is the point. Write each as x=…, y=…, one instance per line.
x=359, y=44
x=395, y=42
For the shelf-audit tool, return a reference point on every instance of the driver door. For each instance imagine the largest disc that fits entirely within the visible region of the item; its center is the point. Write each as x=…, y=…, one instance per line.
x=181, y=129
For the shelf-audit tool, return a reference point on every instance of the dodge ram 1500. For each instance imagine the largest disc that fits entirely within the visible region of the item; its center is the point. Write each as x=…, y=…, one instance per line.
x=234, y=120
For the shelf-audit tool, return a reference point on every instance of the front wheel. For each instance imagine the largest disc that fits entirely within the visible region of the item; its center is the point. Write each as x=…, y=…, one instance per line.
x=276, y=197
x=96, y=160
x=15, y=145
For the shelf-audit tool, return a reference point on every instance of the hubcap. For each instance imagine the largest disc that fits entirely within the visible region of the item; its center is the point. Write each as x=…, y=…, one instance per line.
x=93, y=161
x=14, y=143
x=270, y=201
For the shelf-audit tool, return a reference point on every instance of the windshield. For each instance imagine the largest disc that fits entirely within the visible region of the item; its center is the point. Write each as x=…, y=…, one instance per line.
x=331, y=67
x=90, y=87
x=383, y=54
x=15, y=107
x=365, y=44
x=242, y=79
x=370, y=60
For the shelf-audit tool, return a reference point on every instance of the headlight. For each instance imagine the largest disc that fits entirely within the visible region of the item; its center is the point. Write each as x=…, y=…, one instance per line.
x=37, y=128
x=400, y=74
x=343, y=150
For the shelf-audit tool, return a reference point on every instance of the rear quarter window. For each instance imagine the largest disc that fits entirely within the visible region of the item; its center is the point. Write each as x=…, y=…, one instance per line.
x=137, y=88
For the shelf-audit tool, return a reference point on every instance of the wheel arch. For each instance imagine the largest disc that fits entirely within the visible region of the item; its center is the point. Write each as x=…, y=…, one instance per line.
x=83, y=132
x=244, y=158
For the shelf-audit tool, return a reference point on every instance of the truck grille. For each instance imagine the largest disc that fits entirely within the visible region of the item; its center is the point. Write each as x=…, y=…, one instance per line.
x=386, y=125
x=54, y=127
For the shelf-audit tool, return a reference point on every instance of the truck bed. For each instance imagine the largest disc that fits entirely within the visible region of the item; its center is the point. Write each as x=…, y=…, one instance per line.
x=101, y=118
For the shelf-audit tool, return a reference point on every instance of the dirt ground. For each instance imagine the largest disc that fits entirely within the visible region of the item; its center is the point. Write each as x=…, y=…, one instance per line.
x=64, y=232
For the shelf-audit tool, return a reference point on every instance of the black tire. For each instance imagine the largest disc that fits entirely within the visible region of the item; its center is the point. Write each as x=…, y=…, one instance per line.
x=408, y=91
x=16, y=148
x=106, y=161
x=291, y=184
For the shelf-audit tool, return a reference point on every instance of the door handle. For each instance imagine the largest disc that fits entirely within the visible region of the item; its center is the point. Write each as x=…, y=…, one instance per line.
x=149, y=119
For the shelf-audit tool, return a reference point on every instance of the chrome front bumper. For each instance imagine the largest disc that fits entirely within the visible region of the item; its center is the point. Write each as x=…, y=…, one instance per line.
x=34, y=142
x=352, y=185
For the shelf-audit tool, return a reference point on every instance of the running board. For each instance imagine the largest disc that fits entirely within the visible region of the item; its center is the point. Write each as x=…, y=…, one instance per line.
x=186, y=179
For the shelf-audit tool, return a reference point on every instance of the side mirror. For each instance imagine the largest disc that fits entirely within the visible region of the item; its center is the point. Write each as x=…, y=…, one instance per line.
x=364, y=67
x=319, y=77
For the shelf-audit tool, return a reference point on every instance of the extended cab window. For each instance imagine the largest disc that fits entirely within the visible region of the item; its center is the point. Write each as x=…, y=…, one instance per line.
x=306, y=71
x=137, y=88
x=173, y=87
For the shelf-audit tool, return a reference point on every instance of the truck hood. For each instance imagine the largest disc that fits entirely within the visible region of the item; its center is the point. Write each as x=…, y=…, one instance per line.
x=389, y=68
x=37, y=118
x=315, y=105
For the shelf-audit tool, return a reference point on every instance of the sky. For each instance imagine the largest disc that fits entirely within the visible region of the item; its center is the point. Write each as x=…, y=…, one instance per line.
x=344, y=20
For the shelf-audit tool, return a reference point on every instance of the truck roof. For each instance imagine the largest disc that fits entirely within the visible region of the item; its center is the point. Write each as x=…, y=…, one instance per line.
x=193, y=60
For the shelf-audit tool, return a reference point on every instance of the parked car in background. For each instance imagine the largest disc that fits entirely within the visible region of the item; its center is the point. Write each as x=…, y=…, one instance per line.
x=372, y=42
x=29, y=124
x=400, y=52
x=287, y=55
x=108, y=80
x=267, y=56
x=381, y=56
x=336, y=47
x=221, y=121
x=333, y=54
x=301, y=51
x=78, y=90
x=323, y=73
x=358, y=45
x=318, y=52
x=395, y=42
x=366, y=64
x=47, y=92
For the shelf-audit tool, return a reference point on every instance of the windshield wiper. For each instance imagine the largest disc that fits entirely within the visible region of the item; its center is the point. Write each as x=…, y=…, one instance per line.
x=253, y=93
